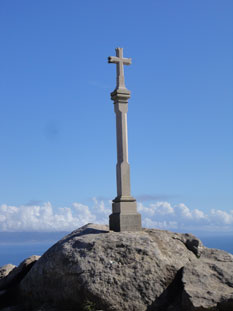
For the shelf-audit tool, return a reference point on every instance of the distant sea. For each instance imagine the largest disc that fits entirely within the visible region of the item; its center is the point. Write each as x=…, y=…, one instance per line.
x=221, y=242
x=15, y=247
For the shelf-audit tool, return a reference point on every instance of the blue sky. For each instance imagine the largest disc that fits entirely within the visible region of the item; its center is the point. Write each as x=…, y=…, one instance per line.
x=57, y=123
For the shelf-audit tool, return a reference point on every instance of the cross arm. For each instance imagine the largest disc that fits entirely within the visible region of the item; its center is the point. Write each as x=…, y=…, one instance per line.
x=116, y=60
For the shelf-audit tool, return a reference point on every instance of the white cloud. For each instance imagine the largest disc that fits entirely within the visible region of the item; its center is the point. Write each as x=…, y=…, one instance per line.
x=45, y=217
x=162, y=215
x=183, y=211
x=197, y=214
x=219, y=216
x=155, y=209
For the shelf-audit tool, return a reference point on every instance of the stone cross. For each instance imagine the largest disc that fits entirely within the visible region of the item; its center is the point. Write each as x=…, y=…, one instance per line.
x=120, y=61
x=124, y=215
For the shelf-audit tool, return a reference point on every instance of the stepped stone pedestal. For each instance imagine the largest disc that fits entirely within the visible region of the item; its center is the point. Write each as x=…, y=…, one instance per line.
x=124, y=215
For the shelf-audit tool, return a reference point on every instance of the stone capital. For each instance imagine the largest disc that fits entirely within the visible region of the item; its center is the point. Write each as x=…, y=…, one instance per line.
x=121, y=95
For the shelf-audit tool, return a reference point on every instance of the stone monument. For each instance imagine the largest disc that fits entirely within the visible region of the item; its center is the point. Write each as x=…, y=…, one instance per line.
x=124, y=215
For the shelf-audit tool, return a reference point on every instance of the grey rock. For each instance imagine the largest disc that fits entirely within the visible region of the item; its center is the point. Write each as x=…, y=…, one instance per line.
x=191, y=242
x=208, y=283
x=11, y=277
x=12, y=308
x=45, y=307
x=119, y=271
x=151, y=270
x=5, y=270
x=12, y=274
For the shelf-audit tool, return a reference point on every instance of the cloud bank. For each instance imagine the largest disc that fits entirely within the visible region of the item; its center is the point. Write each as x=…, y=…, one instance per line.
x=162, y=215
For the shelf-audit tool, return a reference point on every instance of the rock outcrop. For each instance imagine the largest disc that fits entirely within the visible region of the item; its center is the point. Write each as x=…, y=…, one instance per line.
x=153, y=270
x=10, y=278
x=208, y=282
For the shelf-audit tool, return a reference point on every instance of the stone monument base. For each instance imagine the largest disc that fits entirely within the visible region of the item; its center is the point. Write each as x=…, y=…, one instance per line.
x=125, y=217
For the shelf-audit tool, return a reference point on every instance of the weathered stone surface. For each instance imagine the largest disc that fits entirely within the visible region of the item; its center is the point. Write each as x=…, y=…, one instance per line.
x=15, y=274
x=208, y=283
x=153, y=270
x=11, y=276
x=5, y=270
x=117, y=271
x=191, y=242
x=14, y=308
